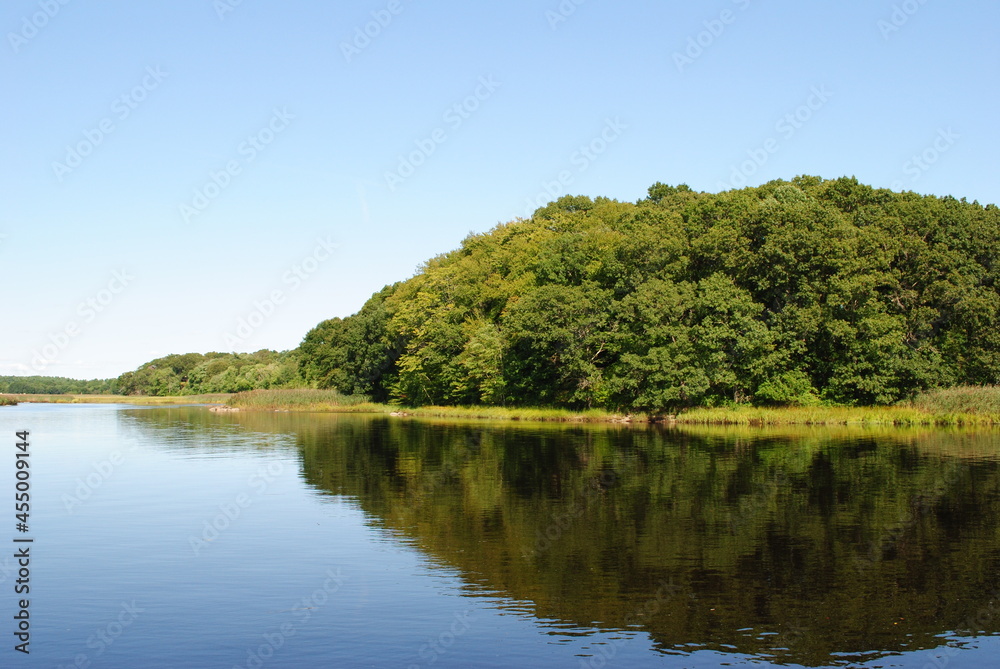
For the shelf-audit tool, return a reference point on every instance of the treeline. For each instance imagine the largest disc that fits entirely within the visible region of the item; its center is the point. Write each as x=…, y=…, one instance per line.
x=788, y=293
x=197, y=373
x=178, y=374
x=55, y=385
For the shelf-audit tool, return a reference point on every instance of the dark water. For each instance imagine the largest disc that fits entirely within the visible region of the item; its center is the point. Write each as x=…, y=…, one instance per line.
x=181, y=538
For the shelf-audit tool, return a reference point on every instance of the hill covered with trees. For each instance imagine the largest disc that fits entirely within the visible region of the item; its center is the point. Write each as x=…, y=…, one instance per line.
x=177, y=374
x=788, y=293
x=55, y=385
x=197, y=373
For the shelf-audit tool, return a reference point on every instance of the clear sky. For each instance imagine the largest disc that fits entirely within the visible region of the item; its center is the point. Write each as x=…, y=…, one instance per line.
x=215, y=176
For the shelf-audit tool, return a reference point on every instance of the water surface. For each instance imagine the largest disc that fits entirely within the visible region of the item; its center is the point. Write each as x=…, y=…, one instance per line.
x=175, y=537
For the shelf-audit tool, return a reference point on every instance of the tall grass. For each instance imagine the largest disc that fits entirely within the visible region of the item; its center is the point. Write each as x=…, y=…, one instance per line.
x=525, y=413
x=911, y=414
x=958, y=406
x=961, y=399
x=7, y=401
x=303, y=399
x=333, y=401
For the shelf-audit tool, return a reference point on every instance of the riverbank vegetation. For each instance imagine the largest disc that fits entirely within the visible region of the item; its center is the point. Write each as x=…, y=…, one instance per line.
x=802, y=293
x=959, y=406
x=982, y=400
x=304, y=399
x=331, y=401
x=901, y=415
x=926, y=410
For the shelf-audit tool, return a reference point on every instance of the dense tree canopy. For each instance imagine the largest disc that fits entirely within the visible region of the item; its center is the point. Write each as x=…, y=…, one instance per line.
x=55, y=385
x=791, y=292
x=354, y=355
x=196, y=373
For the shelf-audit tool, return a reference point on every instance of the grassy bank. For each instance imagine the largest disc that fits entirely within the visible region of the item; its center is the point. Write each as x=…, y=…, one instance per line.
x=304, y=399
x=957, y=406
x=894, y=415
x=525, y=413
x=967, y=405
x=141, y=400
x=333, y=402
x=980, y=400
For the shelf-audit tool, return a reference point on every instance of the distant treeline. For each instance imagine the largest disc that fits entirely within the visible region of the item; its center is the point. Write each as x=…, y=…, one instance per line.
x=788, y=293
x=197, y=373
x=179, y=374
x=55, y=385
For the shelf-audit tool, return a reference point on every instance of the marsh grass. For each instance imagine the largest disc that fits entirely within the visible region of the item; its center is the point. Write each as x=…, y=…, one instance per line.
x=526, y=414
x=902, y=415
x=333, y=402
x=961, y=400
x=958, y=407
x=961, y=406
x=304, y=399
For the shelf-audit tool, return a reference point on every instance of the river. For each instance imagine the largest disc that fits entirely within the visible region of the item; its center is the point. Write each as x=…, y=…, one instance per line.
x=176, y=537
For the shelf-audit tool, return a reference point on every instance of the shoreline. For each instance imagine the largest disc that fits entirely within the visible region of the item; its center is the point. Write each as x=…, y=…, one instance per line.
x=137, y=400
x=743, y=416
x=328, y=401
x=307, y=402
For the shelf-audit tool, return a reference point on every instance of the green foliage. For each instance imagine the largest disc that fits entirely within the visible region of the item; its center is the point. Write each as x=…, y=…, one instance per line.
x=55, y=385
x=197, y=374
x=557, y=335
x=356, y=355
x=791, y=293
x=791, y=388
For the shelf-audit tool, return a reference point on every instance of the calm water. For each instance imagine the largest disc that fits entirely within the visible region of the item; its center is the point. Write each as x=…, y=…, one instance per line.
x=182, y=538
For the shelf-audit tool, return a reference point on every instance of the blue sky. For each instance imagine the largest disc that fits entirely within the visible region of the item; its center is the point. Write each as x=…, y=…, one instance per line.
x=216, y=176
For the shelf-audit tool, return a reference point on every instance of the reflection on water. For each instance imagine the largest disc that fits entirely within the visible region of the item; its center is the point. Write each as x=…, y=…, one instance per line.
x=809, y=546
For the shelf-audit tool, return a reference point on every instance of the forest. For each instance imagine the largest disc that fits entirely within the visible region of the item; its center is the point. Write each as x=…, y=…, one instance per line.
x=55, y=385
x=790, y=293
x=177, y=374
x=197, y=373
